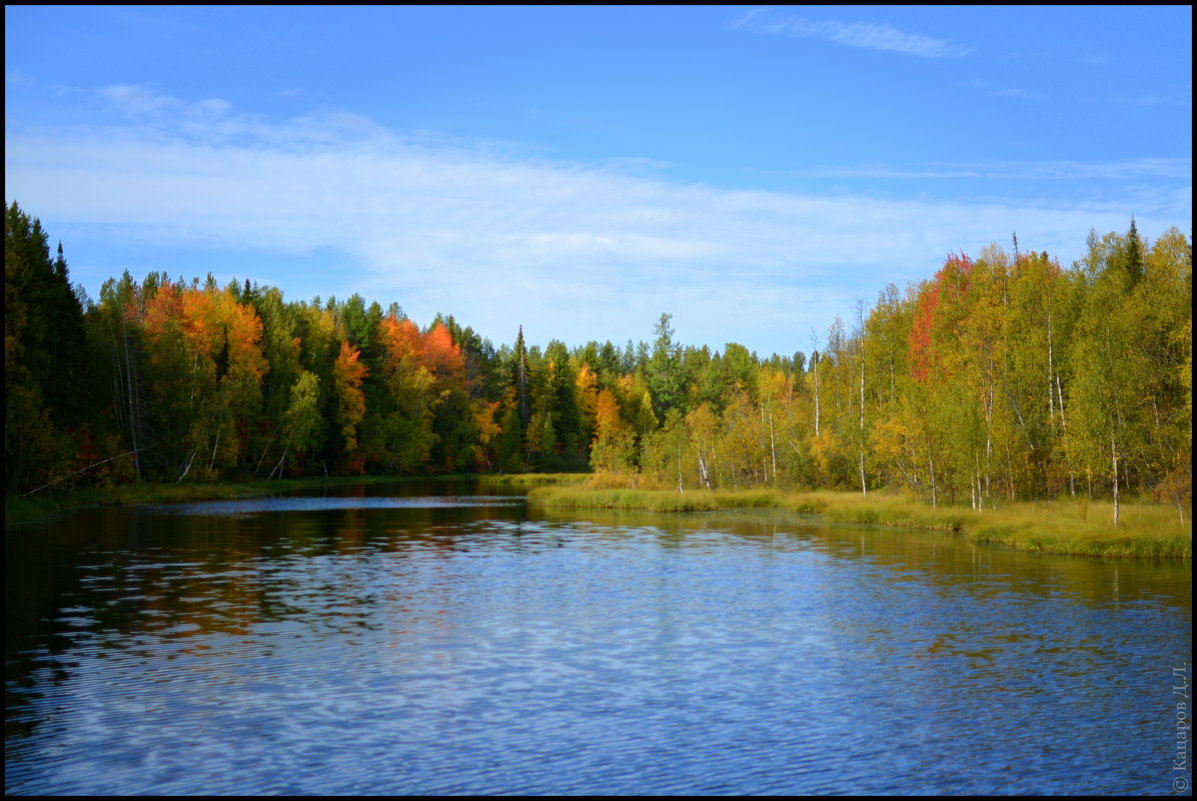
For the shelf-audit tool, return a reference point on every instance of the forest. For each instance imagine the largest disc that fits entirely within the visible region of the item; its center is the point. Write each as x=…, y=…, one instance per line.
x=1003, y=376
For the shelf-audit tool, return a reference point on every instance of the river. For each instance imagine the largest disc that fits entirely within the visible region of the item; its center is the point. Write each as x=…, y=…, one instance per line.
x=443, y=638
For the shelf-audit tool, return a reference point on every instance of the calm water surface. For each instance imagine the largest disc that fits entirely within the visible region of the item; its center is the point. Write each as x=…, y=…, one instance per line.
x=414, y=638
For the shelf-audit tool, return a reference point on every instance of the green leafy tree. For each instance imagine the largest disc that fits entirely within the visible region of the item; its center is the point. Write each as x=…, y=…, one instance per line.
x=1108, y=372
x=301, y=423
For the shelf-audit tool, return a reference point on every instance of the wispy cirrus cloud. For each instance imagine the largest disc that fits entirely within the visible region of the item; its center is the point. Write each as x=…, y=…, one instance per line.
x=873, y=36
x=1158, y=100
x=144, y=101
x=1005, y=91
x=1057, y=170
x=17, y=78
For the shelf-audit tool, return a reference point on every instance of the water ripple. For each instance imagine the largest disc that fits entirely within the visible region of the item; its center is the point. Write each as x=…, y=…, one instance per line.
x=508, y=656
x=321, y=504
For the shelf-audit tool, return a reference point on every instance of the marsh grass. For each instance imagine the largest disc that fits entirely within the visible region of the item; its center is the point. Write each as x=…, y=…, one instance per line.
x=1062, y=527
x=532, y=479
x=653, y=500
x=1144, y=530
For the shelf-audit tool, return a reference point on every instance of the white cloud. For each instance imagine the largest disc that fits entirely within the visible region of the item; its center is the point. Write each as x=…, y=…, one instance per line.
x=572, y=251
x=142, y=102
x=873, y=36
x=213, y=107
x=1159, y=100
x=17, y=78
x=137, y=99
x=1052, y=170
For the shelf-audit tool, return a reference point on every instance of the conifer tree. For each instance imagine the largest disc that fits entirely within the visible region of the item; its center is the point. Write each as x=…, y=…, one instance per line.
x=44, y=350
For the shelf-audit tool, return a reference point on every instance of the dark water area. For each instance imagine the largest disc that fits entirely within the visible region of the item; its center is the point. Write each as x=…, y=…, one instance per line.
x=421, y=638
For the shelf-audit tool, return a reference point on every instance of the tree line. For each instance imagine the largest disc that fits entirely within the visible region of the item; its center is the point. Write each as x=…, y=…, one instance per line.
x=1002, y=377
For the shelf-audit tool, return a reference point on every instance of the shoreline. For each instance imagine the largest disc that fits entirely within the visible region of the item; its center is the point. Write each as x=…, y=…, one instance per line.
x=1071, y=527
x=20, y=510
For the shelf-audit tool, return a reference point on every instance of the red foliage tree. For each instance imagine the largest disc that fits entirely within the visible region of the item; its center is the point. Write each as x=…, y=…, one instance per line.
x=940, y=307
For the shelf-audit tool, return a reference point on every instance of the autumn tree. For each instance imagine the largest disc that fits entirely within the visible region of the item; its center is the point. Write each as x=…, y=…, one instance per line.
x=1122, y=424
x=407, y=416
x=348, y=374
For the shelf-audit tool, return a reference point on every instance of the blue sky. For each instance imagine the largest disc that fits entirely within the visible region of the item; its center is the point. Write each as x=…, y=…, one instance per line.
x=578, y=171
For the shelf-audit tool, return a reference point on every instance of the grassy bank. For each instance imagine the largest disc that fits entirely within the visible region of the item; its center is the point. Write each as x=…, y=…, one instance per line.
x=1060, y=527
